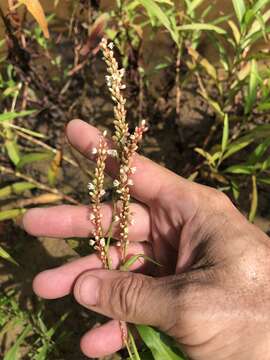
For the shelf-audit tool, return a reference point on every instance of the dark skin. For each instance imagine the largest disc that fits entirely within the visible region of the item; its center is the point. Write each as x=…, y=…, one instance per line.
x=212, y=293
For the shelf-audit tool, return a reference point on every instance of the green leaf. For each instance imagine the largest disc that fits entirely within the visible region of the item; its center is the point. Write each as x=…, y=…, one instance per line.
x=225, y=135
x=236, y=146
x=160, y=345
x=254, y=201
x=235, y=189
x=264, y=106
x=265, y=181
x=211, y=159
x=200, y=27
x=259, y=4
x=5, y=255
x=11, y=214
x=253, y=85
x=235, y=31
x=258, y=152
x=16, y=188
x=127, y=265
x=13, y=353
x=240, y=9
x=242, y=169
x=131, y=347
x=13, y=115
x=265, y=165
x=12, y=151
x=154, y=10
x=33, y=157
x=193, y=5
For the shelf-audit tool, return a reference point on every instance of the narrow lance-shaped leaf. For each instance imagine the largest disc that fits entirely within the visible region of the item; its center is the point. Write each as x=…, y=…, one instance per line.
x=259, y=4
x=16, y=188
x=154, y=10
x=13, y=115
x=240, y=9
x=33, y=157
x=235, y=31
x=127, y=265
x=209, y=68
x=200, y=27
x=225, y=136
x=35, y=8
x=254, y=200
x=11, y=214
x=242, y=169
x=253, y=85
x=54, y=168
x=5, y=255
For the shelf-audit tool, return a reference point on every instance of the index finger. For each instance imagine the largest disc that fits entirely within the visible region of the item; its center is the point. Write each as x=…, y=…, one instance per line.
x=149, y=178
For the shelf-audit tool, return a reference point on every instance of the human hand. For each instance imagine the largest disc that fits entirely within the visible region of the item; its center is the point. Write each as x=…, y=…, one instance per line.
x=212, y=293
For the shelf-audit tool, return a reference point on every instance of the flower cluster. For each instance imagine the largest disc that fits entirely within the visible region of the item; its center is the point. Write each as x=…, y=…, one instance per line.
x=115, y=85
x=126, y=143
x=96, y=192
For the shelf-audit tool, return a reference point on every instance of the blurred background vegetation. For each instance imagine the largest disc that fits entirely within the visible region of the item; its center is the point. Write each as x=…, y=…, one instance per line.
x=196, y=70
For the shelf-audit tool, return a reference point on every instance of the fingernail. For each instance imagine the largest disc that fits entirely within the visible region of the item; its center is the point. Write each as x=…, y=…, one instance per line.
x=89, y=290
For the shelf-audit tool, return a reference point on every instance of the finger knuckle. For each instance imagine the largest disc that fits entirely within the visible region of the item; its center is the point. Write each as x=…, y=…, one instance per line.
x=128, y=291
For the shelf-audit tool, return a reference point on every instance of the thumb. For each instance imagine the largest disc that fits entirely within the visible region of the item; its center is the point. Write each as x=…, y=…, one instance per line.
x=128, y=296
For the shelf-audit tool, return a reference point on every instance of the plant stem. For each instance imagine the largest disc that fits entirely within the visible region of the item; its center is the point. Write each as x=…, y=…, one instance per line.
x=38, y=184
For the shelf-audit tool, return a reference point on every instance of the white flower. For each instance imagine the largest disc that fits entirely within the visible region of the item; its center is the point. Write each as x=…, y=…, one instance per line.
x=112, y=153
x=105, y=133
x=116, y=183
x=92, y=242
x=111, y=45
x=92, y=217
x=130, y=182
x=123, y=87
x=102, y=242
x=91, y=186
x=122, y=72
x=94, y=151
x=133, y=169
x=116, y=218
x=103, y=192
